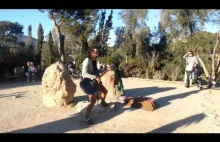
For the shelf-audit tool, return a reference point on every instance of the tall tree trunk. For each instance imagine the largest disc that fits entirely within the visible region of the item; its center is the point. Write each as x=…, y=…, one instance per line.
x=189, y=22
x=85, y=46
x=39, y=58
x=133, y=53
x=50, y=56
x=217, y=67
x=213, y=56
x=138, y=46
x=60, y=41
x=61, y=47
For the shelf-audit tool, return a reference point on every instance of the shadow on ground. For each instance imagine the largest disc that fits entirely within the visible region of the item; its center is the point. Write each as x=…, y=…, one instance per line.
x=74, y=122
x=21, y=94
x=173, y=126
x=81, y=98
x=146, y=91
x=5, y=86
x=164, y=101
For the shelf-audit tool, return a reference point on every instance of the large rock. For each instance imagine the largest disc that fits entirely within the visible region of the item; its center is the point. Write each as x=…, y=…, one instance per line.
x=108, y=82
x=58, y=87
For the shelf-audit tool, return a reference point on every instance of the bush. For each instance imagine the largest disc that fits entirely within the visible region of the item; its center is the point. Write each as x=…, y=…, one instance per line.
x=79, y=61
x=159, y=75
x=173, y=71
x=134, y=67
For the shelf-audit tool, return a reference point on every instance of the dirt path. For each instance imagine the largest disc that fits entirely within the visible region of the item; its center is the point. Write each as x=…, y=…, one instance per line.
x=181, y=111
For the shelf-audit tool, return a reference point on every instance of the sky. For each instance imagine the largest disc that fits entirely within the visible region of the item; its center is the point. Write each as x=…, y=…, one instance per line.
x=33, y=17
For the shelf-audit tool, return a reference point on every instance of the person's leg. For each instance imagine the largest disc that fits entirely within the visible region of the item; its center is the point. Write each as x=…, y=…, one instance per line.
x=92, y=100
x=104, y=92
x=71, y=70
x=28, y=76
x=188, y=73
x=199, y=80
x=32, y=75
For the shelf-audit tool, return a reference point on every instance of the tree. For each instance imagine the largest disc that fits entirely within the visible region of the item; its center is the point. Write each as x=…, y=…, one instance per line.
x=102, y=36
x=50, y=46
x=40, y=41
x=49, y=51
x=30, y=40
x=9, y=32
x=180, y=23
x=84, y=27
x=134, y=21
x=138, y=38
x=120, y=36
x=10, y=46
x=215, y=64
x=77, y=22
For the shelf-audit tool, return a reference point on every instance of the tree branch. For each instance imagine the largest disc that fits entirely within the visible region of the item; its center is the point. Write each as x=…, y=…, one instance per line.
x=61, y=23
x=203, y=66
x=213, y=55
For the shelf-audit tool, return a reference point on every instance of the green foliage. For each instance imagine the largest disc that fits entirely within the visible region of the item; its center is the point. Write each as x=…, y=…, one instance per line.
x=120, y=36
x=183, y=22
x=173, y=71
x=40, y=41
x=134, y=67
x=29, y=44
x=105, y=60
x=102, y=36
x=9, y=32
x=135, y=30
x=52, y=52
x=49, y=52
x=156, y=54
x=49, y=55
x=45, y=58
x=116, y=56
x=79, y=23
x=79, y=60
x=11, y=49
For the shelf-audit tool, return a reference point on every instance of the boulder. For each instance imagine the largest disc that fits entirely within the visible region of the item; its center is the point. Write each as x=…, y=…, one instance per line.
x=58, y=86
x=108, y=80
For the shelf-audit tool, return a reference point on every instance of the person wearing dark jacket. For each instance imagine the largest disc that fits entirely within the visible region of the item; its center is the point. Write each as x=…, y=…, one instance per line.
x=26, y=71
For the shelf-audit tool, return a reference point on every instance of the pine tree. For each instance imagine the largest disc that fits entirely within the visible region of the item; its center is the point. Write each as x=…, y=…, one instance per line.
x=39, y=45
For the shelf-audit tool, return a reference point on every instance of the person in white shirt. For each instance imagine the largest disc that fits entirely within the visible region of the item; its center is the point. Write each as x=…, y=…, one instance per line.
x=32, y=71
x=191, y=63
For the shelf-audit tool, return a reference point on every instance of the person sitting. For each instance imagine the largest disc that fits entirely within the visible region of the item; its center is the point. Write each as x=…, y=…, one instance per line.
x=32, y=70
x=27, y=74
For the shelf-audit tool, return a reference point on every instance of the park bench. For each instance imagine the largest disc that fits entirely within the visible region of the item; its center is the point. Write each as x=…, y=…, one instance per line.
x=18, y=74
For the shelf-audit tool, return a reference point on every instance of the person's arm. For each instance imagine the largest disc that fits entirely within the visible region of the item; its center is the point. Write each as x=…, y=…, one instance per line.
x=196, y=61
x=85, y=70
x=186, y=55
x=29, y=69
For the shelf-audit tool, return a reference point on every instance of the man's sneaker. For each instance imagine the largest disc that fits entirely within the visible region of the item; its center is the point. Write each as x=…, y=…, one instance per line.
x=86, y=119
